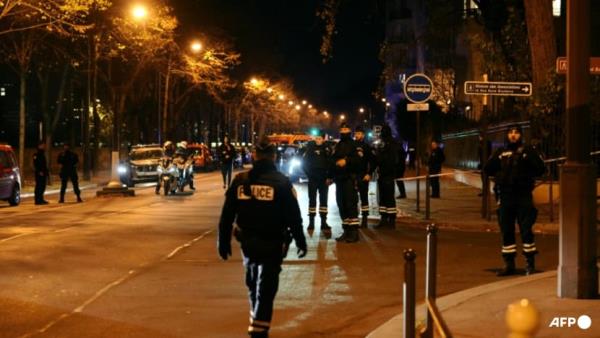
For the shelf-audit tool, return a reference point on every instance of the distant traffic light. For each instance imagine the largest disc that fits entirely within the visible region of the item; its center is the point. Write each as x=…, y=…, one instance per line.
x=314, y=132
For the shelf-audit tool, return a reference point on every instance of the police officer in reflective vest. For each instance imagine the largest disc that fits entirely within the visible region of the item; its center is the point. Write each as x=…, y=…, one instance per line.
x=344, y=172
x=515, y=168
x=316, y=163
x=366, y=166
x=263, y=204
x=387, y=163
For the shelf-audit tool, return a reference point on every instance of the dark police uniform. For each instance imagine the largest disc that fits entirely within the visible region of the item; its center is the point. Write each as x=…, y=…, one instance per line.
x=345, y=186
x=41, y=176
x=387, y=162
x=264, y=206
x=68, y=171
x=515, y=168
x=226, y=156
x=435, y=167
x=365, y=167
x=317, y=162
x=400, y=169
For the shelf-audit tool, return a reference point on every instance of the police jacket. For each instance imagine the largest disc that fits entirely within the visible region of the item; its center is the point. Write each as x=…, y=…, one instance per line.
x=39, y=163
x=226, y=153
x=263, y=204
x=316, y=161
x=435, y=161
x=387, y=158
x=344, y=149
x=68, y=161
x=366, y=158
x=515, y=168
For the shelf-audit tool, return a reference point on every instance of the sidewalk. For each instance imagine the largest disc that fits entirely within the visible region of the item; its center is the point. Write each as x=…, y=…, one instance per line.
x=97, y=180
x=460, y=208
x=480, y=311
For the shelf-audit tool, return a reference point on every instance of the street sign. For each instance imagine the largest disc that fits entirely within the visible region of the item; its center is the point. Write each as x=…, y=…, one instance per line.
x=498, y=88
x=418, y=88
x=417, y=106
x=562, y=65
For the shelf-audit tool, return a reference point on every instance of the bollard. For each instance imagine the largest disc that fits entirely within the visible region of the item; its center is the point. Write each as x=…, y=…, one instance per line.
x=409, y=293
x=522, y=319
x=430, y=276
x=427, y=196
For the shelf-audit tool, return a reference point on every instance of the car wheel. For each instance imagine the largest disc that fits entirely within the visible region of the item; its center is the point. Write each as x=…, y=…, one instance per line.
x=15, y=197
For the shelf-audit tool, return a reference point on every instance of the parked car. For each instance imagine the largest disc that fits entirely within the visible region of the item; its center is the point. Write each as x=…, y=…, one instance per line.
x=141, y=164
x=10, y=176
x=202, y=157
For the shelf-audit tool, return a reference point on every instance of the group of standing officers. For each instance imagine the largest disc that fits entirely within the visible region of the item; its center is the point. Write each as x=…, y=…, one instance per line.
x=68, y=161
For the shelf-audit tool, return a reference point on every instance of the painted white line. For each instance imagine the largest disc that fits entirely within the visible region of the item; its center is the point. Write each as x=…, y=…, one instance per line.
x=15, y=237
x=104, y=290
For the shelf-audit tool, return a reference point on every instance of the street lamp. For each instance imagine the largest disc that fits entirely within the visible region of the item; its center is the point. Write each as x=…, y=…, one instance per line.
x=361, y=110
x=139, y=12
x=342, y=117
x=254, y=81
x=298, y=107
x=196, y=47
x=310, y=106
x=383, y=99
x=281, y=97
x=304, y=102
x=291, y=103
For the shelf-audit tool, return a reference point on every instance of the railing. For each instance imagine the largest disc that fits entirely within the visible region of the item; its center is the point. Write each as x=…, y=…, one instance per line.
x=434, y=318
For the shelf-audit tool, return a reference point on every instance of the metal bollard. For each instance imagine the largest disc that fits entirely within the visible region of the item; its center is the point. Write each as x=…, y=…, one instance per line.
x=522, y=319
x=409, y=293
x=430, y=275
x=427, y=196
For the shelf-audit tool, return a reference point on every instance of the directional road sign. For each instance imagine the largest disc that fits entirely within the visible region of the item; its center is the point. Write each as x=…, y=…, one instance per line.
x=418, y=88
x=498, y=88
x=562, y=65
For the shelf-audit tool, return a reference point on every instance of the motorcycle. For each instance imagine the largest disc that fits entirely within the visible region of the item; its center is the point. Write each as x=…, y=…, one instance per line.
x=168, y=175
x=185, y=170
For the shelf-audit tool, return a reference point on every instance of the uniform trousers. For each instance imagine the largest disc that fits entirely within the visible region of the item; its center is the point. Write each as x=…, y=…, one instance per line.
x=517, y=207
x=40, y=187
x=347, y=199
x=363, y=192
x=64, y=179
x=387, y=200
x=317, y=185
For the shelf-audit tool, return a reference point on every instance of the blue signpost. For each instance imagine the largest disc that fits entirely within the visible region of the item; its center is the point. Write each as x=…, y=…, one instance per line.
x=418, y=89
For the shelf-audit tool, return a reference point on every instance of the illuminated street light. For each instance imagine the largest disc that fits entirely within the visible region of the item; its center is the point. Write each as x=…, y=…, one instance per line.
x=269, y=90
x=254, y=81
x=387, y=104
x=304, y=102
x=139, y=12
x=291, y=103
x=281, y=97
x=342, y=117
x=196, y=46
x=298, y=107
x=361, y=110
x=310, y=106
x=383, y=99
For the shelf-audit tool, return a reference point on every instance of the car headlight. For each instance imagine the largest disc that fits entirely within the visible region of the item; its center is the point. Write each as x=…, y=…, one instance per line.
x=122, y=169
x=294, y=163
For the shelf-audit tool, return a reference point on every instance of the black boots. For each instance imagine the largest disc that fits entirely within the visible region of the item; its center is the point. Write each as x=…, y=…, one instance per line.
x=324, y=225
x=364, y=223
x=352, y=235
x=530, y=267
x=79, y=200
x=311, y=222
x=387, y=221
x=342, y=238
x=383, y=221
x=509, y=267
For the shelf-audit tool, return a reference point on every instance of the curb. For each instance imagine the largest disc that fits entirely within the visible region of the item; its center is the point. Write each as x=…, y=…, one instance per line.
x=395, y=324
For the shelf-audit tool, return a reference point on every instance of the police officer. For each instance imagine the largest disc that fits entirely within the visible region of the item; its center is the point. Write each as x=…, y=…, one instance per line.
x=436, y=158
x=68, y=171
x=41, y=173
x=387, y=163
x=226, y=155
x=344, y=172
x=263, y=204
x=515, y=168
x=366, y=166
x=316, y=163
x=184, y=153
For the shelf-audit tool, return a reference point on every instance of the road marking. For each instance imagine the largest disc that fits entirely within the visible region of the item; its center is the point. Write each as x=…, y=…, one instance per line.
x=15, y=236
x=130, y=274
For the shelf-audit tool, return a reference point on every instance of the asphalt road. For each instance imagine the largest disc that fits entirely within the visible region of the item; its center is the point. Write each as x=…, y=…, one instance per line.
x=147, y=267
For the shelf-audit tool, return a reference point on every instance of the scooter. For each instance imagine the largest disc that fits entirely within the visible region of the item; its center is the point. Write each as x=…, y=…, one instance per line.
x=168, y=175
x=185, y=170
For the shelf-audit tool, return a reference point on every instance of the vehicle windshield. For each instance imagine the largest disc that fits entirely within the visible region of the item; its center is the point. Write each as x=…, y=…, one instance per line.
x=146, y=154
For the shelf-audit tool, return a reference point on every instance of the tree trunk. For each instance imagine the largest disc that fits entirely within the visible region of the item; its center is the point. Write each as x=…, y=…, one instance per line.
x=542, y=41
x=22, y=110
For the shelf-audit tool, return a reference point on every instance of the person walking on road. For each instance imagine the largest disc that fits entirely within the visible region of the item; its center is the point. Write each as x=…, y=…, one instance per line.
x=366, y=166
x=41, y=173
x=515, y=168
x=387, y=163
x=316, y=162
x=400, y=169
x=344, y=171
x=436, y=158
x=226, y=155
x=263, y=203
x=68, y=171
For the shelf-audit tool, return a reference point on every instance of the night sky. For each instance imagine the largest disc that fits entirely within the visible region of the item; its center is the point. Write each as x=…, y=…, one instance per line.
x=283, y=37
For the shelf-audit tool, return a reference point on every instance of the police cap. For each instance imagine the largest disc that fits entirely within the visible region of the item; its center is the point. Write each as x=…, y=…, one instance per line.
x=344, y=128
